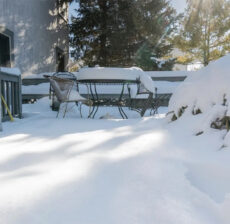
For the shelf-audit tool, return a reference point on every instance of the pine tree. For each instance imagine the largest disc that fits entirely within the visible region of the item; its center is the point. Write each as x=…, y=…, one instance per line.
x=89, y=31
x=146, y=59
x=112, y=33
x=155, y=21
x=204, y=33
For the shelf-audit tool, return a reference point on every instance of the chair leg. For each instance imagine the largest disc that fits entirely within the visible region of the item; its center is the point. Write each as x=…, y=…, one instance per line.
x=80, y=109
x=58, y=110
x=65, y=110
x=95, y=112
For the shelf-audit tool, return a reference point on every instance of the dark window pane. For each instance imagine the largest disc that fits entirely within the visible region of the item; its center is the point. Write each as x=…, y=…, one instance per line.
x=4, y=51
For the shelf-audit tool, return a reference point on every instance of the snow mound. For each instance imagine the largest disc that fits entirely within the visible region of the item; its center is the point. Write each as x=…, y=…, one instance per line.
x=204, y=88
x=205, y=92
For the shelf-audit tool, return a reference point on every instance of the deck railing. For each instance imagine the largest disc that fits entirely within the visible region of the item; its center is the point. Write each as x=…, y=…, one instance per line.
x=10, y=89
x=31, y=97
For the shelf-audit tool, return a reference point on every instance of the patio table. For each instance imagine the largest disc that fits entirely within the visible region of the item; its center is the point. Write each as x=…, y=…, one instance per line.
x=121, y=98
x=120, y=90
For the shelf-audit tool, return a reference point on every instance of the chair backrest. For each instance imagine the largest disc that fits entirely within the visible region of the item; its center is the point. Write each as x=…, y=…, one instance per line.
x=61, y=87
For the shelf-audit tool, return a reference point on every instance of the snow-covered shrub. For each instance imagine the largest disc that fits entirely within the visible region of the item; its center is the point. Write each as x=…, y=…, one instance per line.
x=205, y=92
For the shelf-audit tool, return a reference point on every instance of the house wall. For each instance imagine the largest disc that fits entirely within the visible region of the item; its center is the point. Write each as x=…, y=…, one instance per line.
x=38, y=29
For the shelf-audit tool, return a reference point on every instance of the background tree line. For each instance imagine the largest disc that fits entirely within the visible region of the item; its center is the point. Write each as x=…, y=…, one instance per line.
x=204, y=33
x=126, y=33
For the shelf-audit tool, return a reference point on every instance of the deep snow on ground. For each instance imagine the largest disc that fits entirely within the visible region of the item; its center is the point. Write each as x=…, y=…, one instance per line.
x=136, y=171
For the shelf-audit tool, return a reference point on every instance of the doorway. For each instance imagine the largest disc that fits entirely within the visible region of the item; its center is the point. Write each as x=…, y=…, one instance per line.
x=60, y=60
x=5, y=60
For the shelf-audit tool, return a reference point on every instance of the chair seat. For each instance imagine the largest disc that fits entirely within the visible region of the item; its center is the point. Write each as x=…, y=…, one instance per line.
x=75, y=96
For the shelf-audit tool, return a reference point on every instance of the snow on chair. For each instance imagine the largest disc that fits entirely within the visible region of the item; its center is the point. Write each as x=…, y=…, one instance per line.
x=63, y=89
x=144, y=98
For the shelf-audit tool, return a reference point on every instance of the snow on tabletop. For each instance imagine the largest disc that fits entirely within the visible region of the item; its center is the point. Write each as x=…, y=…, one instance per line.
x=132, y=73
x=12, y=71
x=109, y=73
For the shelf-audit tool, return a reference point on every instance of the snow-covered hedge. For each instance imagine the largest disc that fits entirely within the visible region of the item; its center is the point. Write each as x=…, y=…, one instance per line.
x=205, y=92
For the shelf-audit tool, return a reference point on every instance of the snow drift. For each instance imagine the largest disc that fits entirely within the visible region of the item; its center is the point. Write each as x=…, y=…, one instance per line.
x=207, y=93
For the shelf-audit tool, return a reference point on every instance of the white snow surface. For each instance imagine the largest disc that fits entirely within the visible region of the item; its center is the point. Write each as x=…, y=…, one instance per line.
x=110, y=171
x=168, y=73
x=132, y=73
x=205, y=88
x=12, y=71
x=109, y=73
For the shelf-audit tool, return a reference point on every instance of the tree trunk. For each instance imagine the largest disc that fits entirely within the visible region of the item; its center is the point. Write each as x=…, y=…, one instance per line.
x=103, y=37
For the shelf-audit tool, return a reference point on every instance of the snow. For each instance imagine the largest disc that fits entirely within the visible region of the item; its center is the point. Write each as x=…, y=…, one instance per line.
x=162, y=87
x=102, y=171
x=147, y=82
x=75, y=96
x=42, y=88
x=205, y=88
x=206, y=96
x=38, y=76
x=115, y=73
x=108, y=170
x=109, y=73
x=12, y=71
x=169, y=73
x=166, y=87
x=132, y=73
x=160, y=62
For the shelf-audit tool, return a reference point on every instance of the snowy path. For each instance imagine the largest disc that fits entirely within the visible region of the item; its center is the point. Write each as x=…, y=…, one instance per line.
x=137, y=171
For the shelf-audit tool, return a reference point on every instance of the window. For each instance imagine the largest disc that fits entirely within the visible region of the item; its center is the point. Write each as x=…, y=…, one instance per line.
x=60, y=60
x=5, y=51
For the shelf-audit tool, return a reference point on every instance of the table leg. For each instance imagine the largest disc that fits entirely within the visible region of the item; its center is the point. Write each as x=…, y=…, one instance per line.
x=123, y=114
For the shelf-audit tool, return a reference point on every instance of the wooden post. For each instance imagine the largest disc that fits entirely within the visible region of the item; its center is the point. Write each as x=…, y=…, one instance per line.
x=20, y=95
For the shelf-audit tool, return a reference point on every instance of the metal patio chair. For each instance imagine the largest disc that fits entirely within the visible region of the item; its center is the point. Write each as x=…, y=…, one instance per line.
x=65, y=93
x=143, y=100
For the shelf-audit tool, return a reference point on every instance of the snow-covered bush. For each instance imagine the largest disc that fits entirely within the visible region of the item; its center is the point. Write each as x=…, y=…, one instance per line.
x=205, y=92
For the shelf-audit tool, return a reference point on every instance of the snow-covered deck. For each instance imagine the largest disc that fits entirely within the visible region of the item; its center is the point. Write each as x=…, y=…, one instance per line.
x=85, y=171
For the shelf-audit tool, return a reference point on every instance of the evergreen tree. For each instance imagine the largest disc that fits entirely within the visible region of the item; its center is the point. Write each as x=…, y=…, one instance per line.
x=155, y=21
x=114, y=32
x=204, y=33
x=146, y=59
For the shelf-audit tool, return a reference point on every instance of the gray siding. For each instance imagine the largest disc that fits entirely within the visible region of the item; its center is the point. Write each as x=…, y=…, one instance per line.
x=38, y=30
